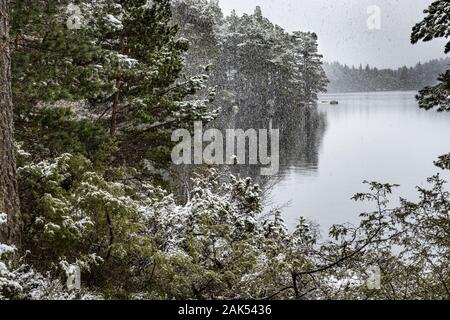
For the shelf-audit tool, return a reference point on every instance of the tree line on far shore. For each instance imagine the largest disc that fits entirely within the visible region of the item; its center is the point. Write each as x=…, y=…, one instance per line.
x=344, y=78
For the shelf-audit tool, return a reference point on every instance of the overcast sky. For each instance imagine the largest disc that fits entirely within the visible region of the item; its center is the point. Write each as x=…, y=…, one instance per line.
x=343, y=32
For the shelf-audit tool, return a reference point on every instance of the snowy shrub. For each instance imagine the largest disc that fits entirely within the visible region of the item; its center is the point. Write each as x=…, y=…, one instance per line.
x=19, y=281
x=114, y=231
x=8, y=283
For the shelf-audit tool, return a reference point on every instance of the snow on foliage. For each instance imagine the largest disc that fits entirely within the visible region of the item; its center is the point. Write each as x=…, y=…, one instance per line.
x=435, y=25
x=3, y=218
x=115, y=23
x=126, y=61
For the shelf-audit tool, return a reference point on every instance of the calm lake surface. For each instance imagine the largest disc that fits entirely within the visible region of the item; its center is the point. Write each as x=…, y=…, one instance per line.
x=381, y=136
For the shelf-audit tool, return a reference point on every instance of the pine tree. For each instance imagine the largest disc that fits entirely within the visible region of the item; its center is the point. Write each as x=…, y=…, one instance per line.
x=121, y=68
x=435, y=25
x=51, y=60
x=145, y=63
x=9, y=198
x=53, y=68
x=258, y=66
x=199, y=21
x=312, y=74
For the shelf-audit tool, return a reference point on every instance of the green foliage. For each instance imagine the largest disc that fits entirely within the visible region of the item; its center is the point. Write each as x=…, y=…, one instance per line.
x=74, y=214
x=47, y=132
x=145, y=62
x=118, y=232
x=51, y=62
x=435, y=25
x=124, y=65
x=443, y=162
x=438, y=96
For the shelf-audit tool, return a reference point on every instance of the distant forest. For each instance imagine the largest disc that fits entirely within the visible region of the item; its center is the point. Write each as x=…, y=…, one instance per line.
x=356, y=79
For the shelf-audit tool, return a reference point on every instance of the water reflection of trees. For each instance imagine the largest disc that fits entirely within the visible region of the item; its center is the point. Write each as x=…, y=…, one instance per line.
x=301, y=133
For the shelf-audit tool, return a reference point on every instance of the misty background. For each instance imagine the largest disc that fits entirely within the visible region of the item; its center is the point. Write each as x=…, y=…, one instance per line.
x=343, y=32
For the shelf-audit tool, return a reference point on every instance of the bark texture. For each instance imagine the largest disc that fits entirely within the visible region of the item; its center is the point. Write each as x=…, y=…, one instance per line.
x=9, y=198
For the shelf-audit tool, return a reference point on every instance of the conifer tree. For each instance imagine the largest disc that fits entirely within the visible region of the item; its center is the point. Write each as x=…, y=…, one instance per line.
x=54, y=65
x=199, y=21
x=145, y=62
x=122, y=65
x=312, y=74
x=435, y=25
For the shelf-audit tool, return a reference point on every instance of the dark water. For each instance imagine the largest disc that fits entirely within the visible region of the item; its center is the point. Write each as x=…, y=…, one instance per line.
x=369, y=136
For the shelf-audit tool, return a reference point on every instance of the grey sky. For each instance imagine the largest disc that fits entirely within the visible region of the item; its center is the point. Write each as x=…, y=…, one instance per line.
x=343, y=32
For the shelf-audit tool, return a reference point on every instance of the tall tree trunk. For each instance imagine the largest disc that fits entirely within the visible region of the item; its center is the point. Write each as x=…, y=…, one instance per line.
x=9, y=198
